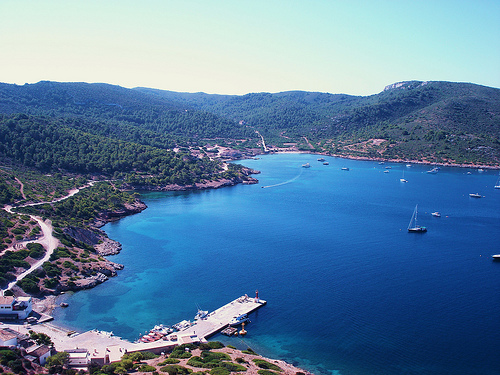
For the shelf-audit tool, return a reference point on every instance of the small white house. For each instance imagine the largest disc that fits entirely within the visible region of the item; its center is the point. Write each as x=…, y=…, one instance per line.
x=41, y=352
x=7, y=338
x=15, y=308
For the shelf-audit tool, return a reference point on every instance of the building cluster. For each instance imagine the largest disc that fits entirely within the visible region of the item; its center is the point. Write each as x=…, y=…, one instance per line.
x=14, y=309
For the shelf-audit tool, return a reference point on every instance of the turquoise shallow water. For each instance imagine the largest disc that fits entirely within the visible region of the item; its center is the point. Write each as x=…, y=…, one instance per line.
x=349, y=291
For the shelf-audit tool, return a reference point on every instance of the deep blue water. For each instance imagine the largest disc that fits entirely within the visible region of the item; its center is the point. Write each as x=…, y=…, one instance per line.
x=349, y=291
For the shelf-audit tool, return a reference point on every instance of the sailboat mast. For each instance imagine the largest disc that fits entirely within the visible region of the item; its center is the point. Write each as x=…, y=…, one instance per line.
x=416, y=214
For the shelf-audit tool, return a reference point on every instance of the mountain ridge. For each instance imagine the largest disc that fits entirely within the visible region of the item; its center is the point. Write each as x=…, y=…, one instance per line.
x=418, y=120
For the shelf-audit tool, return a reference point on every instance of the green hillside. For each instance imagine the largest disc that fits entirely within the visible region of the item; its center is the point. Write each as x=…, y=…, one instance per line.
x=428, y=121
x=432, y=121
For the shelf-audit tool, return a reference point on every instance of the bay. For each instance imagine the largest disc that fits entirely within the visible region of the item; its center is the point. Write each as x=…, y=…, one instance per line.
x=349, y=291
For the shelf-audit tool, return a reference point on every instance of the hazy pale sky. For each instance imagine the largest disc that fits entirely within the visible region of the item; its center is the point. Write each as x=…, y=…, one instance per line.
x=236, y=47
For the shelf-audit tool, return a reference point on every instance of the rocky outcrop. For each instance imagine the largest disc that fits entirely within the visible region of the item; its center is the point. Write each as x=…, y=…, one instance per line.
x=90, y=282
x=128, y=209
x=108, y=247
x=87, y=236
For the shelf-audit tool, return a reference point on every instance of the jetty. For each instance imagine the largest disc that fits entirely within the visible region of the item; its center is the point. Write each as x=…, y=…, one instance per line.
x=219, y=319
x=104, y=347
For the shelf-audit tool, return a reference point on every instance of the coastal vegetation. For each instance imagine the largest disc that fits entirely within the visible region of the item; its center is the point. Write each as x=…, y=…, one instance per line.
x=110, y=142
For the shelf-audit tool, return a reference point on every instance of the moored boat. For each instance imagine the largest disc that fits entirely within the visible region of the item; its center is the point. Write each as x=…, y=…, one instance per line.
x=306, y=165
x=436, y=214
x=475, y=195
x=344, y=168
x=496, y=257
x=321, y=159
x=201, y=314
x=237, y=320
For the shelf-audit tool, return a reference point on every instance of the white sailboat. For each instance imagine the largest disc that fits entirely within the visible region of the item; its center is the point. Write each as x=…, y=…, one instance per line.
x=413, y=227
x=403, y=179
x=497, y=184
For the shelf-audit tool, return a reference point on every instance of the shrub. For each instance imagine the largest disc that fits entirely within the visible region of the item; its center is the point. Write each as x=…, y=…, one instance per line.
x=266, y=365
x=29, y=285
x=169, y=361
x=51, y=283
x=176, y=369
x=233, y=367
x=146, y=368
x=211, y=345
x=36, y=250
x=139, y=356
x=51, y=269
x=220, y=371
x=180, y=351
x=249, y=351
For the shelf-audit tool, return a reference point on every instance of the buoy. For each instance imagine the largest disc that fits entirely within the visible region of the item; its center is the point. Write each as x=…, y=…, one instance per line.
x=243, y=332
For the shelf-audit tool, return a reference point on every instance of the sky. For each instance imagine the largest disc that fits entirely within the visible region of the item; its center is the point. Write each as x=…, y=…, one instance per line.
x=236, y=47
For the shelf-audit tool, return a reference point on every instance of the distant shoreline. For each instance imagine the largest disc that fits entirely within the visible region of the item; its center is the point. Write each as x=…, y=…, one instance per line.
x=377, y=159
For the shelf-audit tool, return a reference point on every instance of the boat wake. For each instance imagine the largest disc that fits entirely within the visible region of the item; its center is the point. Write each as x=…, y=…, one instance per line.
x=286, y=182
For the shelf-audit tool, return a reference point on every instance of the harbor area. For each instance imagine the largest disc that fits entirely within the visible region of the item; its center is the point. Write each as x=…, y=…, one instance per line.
x=104, y=347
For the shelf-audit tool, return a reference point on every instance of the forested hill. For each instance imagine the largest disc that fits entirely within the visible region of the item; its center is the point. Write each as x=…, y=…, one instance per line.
x=114, y=109
x=427, y=121
x=432, y=121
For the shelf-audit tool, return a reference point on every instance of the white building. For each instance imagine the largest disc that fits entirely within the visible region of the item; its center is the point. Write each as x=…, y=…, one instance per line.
x=15, y=308
x=7, y=338
x=40, y=352
x=79, y=359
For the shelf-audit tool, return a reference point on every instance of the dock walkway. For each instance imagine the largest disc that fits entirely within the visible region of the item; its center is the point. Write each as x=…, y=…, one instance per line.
x=106, y=348
x=213, y=323
x=219, y=319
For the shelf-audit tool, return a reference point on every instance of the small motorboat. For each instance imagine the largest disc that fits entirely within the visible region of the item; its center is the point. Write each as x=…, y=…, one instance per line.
x=475, y=195
x=201, y=314
x=436, y=214
x=237, y=320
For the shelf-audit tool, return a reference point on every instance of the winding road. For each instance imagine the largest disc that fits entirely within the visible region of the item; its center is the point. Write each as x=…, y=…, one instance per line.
x=48, y=241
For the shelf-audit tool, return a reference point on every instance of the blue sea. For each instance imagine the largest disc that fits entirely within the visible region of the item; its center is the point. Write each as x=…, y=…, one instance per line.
x=349, y=290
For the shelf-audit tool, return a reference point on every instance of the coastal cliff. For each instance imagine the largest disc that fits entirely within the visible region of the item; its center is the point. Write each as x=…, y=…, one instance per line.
x=244, y=178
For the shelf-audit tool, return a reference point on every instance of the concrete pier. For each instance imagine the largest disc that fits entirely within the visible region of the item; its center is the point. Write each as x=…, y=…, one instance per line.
x=219, y=319
x=104, y=348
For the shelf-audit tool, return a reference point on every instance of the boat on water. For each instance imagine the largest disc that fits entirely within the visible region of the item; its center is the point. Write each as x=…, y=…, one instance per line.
x=497, y=184
x=237, y=320
x=321, y=159
x=182, y=325
x=201, y=314
x=475, y=195
x=496, y=257
x=344, y=168
x=326, y=163
x=306, y=165
x=386, y=171
x=433, y=170
x=436, y=214
x=408, y=165
x=413, y=227
x=403, y=178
